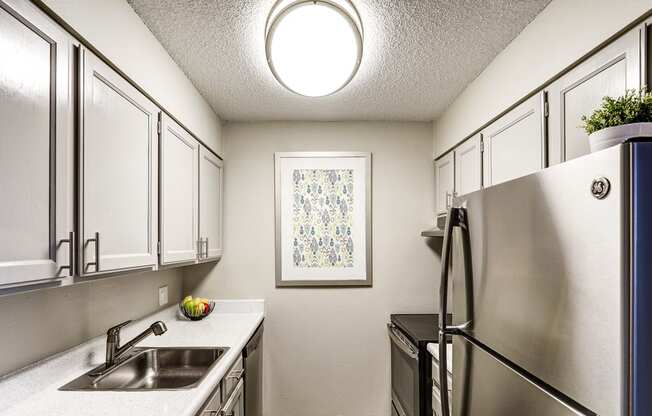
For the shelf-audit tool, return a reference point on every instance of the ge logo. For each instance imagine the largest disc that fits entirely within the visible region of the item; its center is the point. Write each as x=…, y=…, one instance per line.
x=600, y=187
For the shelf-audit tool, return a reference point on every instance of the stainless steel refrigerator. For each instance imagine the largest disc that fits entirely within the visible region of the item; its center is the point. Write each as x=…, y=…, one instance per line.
x=549, y=279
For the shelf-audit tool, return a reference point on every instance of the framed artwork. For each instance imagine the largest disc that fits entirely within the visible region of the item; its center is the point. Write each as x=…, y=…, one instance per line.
x=323, y=218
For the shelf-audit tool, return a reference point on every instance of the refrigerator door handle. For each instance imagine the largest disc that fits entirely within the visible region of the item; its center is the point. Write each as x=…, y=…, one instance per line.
x=452, y=220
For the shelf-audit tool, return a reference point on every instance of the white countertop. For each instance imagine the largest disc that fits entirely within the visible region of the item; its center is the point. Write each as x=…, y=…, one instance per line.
x=34, y=390
x=433, y=349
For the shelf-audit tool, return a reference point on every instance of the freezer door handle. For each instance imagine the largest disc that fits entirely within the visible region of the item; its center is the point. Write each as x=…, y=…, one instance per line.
x=452, y=220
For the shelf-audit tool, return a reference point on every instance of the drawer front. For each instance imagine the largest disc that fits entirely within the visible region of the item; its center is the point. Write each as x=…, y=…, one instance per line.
x=435, y=372
x=213, y=403
x=233, y=376
x=436, y=401
x=435, y=375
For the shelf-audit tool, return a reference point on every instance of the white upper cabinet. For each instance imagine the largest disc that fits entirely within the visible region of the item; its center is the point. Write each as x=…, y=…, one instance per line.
x=118, y=171
x=444, y=182
x=610, y=72
x=179, y=197
x=514, y=145
x=36, y=161
x=468, y=166
x=210, y=205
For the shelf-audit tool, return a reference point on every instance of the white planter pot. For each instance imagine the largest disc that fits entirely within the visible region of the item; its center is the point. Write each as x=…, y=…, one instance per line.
x=612, y=136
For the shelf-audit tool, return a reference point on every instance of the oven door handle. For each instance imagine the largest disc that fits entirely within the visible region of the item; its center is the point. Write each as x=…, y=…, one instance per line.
x=404, y=346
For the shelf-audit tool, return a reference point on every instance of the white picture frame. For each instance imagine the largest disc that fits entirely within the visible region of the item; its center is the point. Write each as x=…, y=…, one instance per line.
x=323, y=219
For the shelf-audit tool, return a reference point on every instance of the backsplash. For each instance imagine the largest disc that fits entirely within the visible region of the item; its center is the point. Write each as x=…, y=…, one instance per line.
x=39, y=324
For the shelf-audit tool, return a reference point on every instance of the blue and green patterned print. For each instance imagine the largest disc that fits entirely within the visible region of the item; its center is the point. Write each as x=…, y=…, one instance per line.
x=322, y=218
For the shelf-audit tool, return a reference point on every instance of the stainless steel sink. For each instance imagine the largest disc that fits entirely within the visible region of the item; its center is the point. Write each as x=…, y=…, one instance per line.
x=152, y=369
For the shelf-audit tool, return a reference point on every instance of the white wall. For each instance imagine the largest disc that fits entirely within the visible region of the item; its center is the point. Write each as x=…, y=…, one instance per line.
x=327, y=350
x=115, y=29
x=38, y=324
x=563, y=32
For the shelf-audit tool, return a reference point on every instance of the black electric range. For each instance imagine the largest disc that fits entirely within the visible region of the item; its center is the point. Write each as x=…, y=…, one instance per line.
x=411, y=363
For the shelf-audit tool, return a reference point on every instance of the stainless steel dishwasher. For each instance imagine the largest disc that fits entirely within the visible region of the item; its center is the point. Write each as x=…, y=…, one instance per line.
x=253, y=377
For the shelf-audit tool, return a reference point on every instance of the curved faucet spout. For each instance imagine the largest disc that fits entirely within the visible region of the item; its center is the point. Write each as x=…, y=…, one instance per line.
x=113, y=349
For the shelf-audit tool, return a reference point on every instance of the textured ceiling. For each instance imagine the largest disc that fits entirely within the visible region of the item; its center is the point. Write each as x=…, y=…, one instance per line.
x=418, y=55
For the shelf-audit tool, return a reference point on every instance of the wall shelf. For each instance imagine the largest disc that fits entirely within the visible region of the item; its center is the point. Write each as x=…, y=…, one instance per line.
x=433, y=232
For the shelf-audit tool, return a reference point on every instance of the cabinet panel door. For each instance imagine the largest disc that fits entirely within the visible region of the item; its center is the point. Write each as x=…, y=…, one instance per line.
x=468, y=166
x=179, y=193
x=444, y=182
x=515, y=143
x=119, y=153
x=35, y=146
x=210, y=205
x=610, y=72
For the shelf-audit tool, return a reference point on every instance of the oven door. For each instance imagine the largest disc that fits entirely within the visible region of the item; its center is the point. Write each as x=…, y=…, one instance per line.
x=405, y=374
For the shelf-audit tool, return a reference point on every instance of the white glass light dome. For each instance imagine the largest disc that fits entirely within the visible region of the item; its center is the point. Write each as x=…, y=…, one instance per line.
x=314, y=47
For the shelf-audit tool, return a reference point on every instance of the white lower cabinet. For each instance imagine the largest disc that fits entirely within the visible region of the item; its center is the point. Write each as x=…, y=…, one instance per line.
x=227, y=398
x=514, y=145
x=179, y=197
x=436, y=391
x=610, y=72
x=36, y=145
x=210, y=205
x=118, y=172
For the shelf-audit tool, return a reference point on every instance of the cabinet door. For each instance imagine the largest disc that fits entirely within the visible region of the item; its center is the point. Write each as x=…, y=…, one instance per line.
x=610, y=72
x=36, y=164
x=210, y=205
x=179, y=197
x=514, y=145
x=118, y=175
x=444, y=182
x=239, y=408
x=468, y=166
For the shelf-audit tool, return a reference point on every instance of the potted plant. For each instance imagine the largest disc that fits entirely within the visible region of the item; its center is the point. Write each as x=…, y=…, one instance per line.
x=618, y=119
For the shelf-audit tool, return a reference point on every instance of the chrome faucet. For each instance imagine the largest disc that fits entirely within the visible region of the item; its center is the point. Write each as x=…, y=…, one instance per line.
x=113, y=349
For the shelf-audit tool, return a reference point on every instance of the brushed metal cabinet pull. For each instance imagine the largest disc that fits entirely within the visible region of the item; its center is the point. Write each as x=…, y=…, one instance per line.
x=206, y=248
x=95, y=263
x=71, y=252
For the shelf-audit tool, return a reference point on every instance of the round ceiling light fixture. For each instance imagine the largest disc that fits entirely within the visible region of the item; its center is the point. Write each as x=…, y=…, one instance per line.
x=314, y=47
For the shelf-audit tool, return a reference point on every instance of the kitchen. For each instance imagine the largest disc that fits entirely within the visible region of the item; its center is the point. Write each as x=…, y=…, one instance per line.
x=442, y=108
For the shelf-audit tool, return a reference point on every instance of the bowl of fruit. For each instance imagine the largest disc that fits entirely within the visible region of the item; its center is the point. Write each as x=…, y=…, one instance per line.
x=196, y=309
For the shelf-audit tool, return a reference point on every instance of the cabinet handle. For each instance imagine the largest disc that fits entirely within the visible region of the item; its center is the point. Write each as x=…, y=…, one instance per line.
x=448, y=196
x=236, y=375
x=232, y=401
x=202, y=248
x=95, y=263
x=71, y=252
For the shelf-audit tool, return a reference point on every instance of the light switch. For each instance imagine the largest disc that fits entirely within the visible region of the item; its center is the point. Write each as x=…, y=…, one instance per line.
x=162, y=295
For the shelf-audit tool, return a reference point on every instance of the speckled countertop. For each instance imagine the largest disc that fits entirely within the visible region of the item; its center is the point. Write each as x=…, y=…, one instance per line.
x=34, y=390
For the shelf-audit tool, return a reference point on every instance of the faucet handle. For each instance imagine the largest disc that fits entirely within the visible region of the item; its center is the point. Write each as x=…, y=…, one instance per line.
x=116, y=329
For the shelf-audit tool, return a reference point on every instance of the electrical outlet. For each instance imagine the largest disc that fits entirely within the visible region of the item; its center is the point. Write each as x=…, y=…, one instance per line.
x=162, y=295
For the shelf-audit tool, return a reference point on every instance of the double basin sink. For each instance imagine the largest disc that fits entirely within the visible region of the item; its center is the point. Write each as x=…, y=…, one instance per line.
x=152, y=369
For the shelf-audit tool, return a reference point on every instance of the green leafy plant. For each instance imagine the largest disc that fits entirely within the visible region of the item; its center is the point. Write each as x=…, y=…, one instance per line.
x=633, y=107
